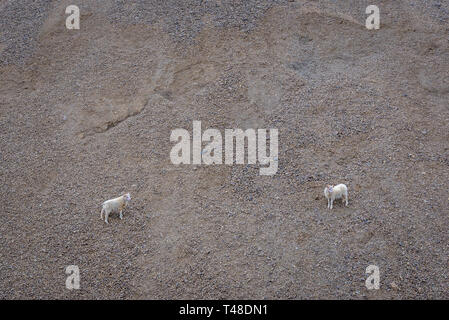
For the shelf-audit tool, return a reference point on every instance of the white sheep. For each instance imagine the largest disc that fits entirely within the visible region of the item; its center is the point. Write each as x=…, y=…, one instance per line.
x=335, y=192
x=115, y=205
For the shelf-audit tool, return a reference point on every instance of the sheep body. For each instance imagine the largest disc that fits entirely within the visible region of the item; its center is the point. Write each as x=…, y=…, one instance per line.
x=114, y=205
x=335, y=192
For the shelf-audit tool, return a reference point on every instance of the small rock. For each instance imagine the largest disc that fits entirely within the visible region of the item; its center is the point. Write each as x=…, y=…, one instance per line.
x=394, y=286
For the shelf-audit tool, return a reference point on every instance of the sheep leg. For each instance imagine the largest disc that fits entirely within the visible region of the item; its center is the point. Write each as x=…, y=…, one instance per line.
x=328, y=203
x=332, y=203
x=106, y=215
x=121, y=215
x=101, y=214
x=345, y=199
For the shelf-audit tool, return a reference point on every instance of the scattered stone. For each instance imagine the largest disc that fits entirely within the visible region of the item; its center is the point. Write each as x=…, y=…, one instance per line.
x=394, y=286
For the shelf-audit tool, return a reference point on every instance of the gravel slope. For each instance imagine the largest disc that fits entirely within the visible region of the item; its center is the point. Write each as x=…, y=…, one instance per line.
x=86, y=115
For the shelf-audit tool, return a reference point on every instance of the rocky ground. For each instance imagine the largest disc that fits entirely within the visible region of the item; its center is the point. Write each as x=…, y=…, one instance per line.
x=87, y=114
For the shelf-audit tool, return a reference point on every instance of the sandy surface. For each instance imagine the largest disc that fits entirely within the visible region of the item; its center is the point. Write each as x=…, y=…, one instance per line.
x=87, y=114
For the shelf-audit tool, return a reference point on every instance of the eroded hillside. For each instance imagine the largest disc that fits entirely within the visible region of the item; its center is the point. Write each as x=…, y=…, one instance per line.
x=87, y=114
